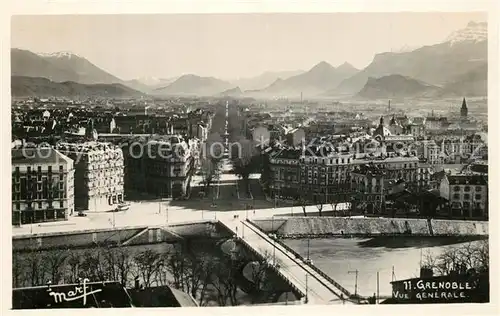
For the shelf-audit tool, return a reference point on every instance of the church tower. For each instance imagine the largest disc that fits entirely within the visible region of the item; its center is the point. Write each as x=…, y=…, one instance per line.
x=464, y=111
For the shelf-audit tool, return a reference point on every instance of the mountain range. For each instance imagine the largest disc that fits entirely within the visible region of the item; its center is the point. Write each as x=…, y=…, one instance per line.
x=194, y=85
x=58, y=67
x=43, y=87
x=456, y=66
x=396, y=86
x=436, y=64
x=318, y=79
x=264, y=80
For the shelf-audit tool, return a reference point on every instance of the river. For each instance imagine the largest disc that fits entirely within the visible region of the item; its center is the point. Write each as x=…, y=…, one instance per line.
x=340, y=257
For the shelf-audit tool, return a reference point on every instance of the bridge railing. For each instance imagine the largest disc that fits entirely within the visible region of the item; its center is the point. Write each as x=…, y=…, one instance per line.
x=312, y=266
x=275, y=269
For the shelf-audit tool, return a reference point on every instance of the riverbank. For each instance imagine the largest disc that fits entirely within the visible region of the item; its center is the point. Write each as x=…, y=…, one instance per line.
x=300, y=227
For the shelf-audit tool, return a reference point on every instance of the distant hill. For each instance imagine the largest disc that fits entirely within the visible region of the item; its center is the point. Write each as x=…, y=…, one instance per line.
x=148, y=84
x=195, y=85
x=264, y=80
x=137, y=85
x=58, y=67
x=463, y=51
x=43, y=87
x=234, y=92
x=317, y=80
x=473, y=83
x=396, y=86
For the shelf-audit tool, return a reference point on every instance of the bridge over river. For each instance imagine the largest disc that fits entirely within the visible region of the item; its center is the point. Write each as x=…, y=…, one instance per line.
x=316, y=286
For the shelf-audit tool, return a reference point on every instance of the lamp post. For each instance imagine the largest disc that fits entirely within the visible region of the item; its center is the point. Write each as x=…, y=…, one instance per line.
x=166, y=214
x=308, y=244
x=307, y=290
x=355, y=282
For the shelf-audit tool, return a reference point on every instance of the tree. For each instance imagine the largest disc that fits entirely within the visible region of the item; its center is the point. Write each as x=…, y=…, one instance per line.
x=36, y=268
x=245, y=159
x=209, y=167
x=304, y=199
x=224, y=281
x=334, y=202
x=73, y=265
x=147, y=265
x=303, y=203
x=17, y=270
x=319, y=204
x=119, y=264
x=55, y=261
x=259, y=274
x=460, y=259
x=93, y=265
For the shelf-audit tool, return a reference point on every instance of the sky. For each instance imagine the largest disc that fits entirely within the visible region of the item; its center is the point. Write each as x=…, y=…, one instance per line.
x=231, y=46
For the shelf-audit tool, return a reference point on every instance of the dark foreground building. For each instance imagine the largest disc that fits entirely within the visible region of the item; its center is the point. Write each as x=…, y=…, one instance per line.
x=98, y=295
x=458, y=288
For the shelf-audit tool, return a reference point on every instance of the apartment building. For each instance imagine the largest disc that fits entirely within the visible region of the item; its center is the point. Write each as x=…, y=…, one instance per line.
x=467, y=194
x=285, y=173
x=42, y=185
x=324, y=174
x=160, y=166
x=98, y=174
x=371, y=185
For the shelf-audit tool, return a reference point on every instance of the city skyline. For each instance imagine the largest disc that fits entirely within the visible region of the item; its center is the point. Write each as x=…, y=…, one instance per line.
x=254, y=44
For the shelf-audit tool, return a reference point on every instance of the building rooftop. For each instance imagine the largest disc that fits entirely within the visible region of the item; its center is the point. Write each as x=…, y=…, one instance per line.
x=464, y=179
x=22, y=156
x=87, y=146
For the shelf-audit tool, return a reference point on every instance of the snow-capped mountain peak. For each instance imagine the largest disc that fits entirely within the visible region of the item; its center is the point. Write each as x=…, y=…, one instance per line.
x=474, y=32
x=59, y=55
x=404, y=49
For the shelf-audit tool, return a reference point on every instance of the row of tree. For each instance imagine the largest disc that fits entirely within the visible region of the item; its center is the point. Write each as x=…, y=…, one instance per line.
x=210, y=279
x=469, y=257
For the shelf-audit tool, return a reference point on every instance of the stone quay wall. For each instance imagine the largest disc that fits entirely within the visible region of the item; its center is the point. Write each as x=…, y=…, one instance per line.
x=294, y=227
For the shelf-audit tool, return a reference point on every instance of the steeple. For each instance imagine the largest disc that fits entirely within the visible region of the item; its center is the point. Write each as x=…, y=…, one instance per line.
x=382, y=120
x=464, y=111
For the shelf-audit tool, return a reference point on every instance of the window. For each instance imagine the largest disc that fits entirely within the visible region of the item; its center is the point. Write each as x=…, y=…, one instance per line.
x=18, y=206
x=17, y=169
x=467, y=188
x=478, y=188
x=466, y=196
x=39, y=169
x=456, y=196
x=456, y=188
x=50, y=169
x=61, y=204
x=40, y=205
x=478, y=196
x=60, y=168
x=29, y=170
